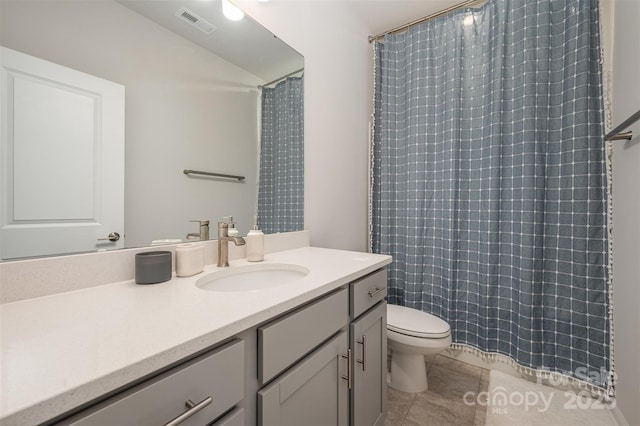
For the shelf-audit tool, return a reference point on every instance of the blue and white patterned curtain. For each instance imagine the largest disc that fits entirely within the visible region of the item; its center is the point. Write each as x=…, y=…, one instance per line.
x=281, y=185
x=489, y=181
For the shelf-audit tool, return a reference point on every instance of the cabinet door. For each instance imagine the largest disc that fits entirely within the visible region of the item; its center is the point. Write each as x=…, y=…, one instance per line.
x=314, y=392
x=369, y=347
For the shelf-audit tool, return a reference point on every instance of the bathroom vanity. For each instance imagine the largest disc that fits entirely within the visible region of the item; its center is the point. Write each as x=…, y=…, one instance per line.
x=312, y=351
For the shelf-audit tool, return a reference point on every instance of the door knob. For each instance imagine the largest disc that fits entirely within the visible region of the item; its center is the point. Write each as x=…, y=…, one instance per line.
x=113, y=236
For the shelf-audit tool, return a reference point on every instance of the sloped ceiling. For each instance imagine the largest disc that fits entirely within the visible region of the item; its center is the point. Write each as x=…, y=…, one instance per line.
x=250, y=46
x=244, y=43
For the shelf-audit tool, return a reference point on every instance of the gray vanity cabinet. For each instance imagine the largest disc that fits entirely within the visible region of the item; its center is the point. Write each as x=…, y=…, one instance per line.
x=369, y=343
x=306, y=352
x=322, y=364
x=314, y=392
x=341, y=382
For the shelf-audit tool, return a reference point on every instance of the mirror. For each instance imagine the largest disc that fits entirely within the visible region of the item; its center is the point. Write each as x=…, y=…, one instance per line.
x=192, y=100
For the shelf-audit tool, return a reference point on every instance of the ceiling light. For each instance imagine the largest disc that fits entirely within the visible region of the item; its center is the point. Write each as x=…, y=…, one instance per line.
x=231, y=12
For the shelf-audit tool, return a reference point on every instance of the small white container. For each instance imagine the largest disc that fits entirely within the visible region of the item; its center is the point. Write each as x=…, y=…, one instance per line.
x=189, y=259
x=255, y=245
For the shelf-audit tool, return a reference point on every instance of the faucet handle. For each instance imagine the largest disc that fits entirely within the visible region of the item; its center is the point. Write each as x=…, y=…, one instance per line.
x=201, y=222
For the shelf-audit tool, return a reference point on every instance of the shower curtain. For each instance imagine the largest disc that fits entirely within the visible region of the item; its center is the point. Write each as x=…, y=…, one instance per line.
x=281, y=176
x=489, y=182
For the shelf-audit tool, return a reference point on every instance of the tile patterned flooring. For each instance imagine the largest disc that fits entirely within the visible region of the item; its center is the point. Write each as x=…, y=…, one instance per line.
x=442, y=404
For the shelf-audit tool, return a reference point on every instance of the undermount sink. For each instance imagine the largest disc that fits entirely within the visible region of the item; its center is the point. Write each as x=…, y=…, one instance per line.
x=252, y=277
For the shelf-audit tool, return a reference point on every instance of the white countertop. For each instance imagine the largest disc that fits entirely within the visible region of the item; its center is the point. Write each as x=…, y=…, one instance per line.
x=62, y=350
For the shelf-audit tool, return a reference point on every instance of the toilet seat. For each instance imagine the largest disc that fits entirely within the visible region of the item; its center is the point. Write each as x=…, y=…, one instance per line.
x=412, y=322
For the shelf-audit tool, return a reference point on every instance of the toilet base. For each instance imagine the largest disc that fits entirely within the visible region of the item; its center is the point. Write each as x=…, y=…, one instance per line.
x=408, y=372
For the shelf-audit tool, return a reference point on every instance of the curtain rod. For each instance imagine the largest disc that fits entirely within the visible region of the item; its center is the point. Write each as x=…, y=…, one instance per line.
x=280, y=78
x=427, y=18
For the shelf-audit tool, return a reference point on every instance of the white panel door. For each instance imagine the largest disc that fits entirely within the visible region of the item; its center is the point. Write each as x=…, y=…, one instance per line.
x=61, y=157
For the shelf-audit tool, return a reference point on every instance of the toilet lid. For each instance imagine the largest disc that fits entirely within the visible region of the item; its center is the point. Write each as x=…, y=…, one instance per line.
x=416, y=323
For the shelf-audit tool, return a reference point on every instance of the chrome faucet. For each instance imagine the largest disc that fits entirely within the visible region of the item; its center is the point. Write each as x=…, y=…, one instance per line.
x=223, y=243
x=203, y=235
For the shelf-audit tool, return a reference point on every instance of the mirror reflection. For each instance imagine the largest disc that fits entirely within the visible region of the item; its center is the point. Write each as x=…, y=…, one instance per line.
x=180, y=87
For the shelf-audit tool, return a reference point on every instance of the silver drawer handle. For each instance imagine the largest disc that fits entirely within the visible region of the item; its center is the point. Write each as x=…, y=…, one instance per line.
x=373, y=293
x=192, y=409
x=349, y=376
x=363, y=361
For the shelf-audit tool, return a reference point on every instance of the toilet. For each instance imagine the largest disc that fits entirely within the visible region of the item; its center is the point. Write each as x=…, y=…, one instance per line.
x=412, y=334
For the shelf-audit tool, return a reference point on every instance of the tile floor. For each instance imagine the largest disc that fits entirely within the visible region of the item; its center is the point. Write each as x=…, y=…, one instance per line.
x=442, y=404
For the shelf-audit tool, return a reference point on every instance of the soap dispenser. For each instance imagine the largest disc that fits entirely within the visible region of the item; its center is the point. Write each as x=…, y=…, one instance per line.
x=255, y=245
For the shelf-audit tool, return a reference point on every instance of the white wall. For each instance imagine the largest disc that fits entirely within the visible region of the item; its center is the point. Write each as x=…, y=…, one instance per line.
x=185, y=109
x=626, y=217
x=336, y=51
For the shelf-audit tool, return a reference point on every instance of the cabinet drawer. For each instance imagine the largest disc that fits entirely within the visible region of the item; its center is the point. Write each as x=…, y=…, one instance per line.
x=286, y=340
x=367, y=291
x=218, y=375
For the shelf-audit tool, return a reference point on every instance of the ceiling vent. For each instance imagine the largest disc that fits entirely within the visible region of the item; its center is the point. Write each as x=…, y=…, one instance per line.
x=191, y=18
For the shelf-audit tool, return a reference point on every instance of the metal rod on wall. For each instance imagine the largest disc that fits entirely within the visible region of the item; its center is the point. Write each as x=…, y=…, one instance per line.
x=281, y=78
x=615, y=134
x=222, y=175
